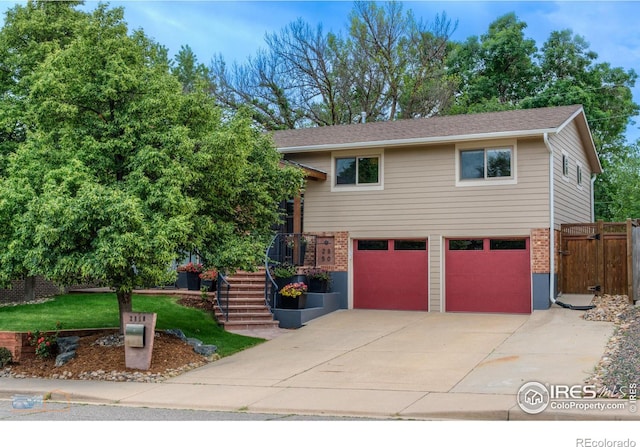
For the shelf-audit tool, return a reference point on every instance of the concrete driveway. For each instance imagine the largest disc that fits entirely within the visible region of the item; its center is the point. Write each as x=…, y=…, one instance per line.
x=384, y=364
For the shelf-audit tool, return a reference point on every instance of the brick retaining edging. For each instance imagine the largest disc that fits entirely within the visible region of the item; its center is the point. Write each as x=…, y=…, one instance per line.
x=18, y=345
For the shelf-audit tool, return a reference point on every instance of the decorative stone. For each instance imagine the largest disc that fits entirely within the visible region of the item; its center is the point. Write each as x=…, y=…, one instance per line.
x=194, y=342
x=205, y=350
x=177, y=333
x=67, y=344
x=63, y=358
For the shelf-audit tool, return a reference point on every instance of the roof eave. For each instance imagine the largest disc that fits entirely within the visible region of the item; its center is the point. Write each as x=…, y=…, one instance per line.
x=415, y=141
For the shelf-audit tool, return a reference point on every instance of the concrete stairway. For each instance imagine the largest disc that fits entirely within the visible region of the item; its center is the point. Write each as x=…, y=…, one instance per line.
x=247, y=309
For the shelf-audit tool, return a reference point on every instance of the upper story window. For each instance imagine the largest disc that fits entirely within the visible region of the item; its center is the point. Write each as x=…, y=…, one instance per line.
x=485, y=163
x=565, y=164
x=489, y=165
x=357, y=170
x=579, y=174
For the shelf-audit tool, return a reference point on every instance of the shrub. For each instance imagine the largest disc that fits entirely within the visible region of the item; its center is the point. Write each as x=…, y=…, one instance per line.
x=284, y=270
x=5, y=357
x=46, y=344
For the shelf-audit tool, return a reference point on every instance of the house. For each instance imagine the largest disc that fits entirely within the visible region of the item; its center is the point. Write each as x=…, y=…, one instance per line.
x=448, y=213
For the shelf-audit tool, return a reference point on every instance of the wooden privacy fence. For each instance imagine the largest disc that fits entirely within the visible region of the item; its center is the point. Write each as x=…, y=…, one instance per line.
x=601, y=257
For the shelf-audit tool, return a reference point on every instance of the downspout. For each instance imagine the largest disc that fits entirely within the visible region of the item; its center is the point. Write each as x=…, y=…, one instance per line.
x=552, y=217
x=552, y=234
x=593, y=200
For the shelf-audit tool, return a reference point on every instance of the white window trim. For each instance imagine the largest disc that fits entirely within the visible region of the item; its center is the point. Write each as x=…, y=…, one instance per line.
x=565, y=177
x=358, y=153
x=494, y=144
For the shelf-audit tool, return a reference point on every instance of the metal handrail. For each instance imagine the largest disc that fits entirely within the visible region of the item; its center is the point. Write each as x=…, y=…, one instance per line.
x=223, y=302
x=285, y=248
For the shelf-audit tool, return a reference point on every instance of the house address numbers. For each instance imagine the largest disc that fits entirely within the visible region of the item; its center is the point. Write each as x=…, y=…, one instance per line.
x=325, y=251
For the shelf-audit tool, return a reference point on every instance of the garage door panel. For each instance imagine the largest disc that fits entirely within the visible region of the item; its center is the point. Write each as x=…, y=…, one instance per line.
x=494, y=276
x=390, y=275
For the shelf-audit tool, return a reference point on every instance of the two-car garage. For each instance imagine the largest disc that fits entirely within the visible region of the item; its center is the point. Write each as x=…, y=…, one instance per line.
x=480, y=274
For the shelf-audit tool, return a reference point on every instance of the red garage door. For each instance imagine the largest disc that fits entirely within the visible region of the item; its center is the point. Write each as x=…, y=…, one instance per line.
x=488, y=275
x=390, y=274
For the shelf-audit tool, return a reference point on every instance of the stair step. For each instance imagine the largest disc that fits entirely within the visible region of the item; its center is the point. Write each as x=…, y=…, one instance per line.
x=249, y=324
x=247, y=308
x=235, y=319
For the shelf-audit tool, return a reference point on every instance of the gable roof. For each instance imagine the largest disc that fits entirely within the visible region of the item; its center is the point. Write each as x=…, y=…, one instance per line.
x=440, y=129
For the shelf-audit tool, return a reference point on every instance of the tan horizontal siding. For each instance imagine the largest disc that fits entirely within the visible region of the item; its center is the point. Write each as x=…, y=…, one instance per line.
x=420, y=197
x=572, y=204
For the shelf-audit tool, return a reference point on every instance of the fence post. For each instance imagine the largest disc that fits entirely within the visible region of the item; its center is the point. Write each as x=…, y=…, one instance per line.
x=630, y=261
x=600, y=258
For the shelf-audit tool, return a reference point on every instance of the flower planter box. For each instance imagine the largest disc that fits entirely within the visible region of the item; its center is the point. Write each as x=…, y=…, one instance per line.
x=181, y=282
x=287, y=302
x=208, y=284
x=193, y=281
x=318, y=285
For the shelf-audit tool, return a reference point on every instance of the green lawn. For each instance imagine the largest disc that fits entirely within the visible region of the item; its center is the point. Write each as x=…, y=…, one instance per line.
x=100, y=310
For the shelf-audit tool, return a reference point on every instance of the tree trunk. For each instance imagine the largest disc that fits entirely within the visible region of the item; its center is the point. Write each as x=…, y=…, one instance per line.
x=124, y=305
x=29, y=288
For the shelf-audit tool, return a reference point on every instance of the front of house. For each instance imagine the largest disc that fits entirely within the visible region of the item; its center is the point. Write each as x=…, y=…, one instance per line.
x=446, y=214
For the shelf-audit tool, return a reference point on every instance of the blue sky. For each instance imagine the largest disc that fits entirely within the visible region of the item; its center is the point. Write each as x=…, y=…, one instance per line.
x=236, y=29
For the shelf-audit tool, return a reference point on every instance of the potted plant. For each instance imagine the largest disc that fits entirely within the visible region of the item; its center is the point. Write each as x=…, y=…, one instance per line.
x=208, y=280
x=297, y=243
x=283, y=273
x=193, y=271
x=293, y=296
x=318, y=279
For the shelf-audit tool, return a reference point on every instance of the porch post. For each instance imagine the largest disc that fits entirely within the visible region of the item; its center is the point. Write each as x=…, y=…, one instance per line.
x=297, y=214
x=297, y=228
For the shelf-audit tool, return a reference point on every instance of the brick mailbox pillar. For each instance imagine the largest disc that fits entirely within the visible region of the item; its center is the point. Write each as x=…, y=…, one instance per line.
x=139, y=333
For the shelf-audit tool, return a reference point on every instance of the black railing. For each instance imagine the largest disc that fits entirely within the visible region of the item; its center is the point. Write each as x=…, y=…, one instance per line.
x=222, y=295
x=294, y=249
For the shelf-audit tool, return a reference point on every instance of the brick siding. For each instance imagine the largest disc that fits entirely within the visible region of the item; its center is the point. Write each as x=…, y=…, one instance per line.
x=15, y=294
x=540, y=250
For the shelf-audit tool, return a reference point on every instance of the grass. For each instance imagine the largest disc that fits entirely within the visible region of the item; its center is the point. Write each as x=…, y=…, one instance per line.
x=100, y=310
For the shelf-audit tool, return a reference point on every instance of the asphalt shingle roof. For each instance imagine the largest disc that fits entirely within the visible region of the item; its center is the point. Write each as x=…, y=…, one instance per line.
x=512, y=121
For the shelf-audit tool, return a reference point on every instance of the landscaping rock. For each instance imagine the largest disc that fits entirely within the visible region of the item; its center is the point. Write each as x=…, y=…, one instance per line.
x=67, y=344
x=177, y=333
x=206, y=350
x=63, y=358
x=194, y=342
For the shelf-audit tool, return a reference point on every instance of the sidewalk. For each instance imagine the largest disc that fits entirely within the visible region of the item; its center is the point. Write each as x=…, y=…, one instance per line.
x=380, y=364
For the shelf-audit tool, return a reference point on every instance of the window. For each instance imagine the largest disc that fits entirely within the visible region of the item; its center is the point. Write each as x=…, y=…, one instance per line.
x=410, y=245
x=565, y=165
x=507, y=244
x=485, y=164
x=361, y=170
x=370, y=245
x=357, y=170
x=466, y=244
x=579, y=175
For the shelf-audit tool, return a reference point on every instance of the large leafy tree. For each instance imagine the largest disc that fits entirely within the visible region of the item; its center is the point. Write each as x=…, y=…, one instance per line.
x=29, y=35
x=497, y=69
x=387, y=65
x=123, y=167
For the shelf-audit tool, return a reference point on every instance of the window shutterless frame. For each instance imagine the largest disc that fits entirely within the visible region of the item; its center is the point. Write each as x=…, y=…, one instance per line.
x=486, y=163
x=357, y=170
